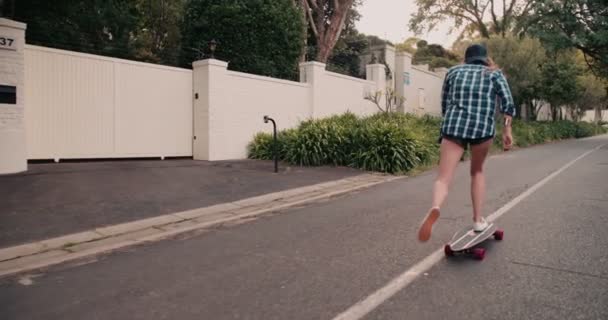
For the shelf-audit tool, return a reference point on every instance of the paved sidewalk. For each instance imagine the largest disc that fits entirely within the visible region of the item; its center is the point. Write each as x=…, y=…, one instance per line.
x=52, y=200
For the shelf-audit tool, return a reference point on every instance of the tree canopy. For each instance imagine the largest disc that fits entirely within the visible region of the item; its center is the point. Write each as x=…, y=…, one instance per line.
x=93, y=26
x=521, y=61
x=580, y=24
x=256, y=36
x=485, y=17
x=434, y=55
x=409, y=45
x=558, y=85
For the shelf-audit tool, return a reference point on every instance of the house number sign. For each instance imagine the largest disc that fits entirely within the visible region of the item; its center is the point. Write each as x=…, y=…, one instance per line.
x=7, y=43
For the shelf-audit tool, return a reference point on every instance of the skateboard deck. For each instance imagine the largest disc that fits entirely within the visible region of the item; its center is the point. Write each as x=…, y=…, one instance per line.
x=466, y=239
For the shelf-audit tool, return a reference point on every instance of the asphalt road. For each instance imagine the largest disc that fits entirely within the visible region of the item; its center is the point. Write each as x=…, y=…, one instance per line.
x=317, y=261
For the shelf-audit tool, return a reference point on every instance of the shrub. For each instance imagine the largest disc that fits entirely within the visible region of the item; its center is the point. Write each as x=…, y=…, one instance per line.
x=392, y=143
x=261, y=146
x=387, y=147
x=317, y=143
x=585, y=129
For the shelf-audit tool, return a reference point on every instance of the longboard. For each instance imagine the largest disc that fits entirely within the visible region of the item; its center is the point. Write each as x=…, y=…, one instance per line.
x=465, y=240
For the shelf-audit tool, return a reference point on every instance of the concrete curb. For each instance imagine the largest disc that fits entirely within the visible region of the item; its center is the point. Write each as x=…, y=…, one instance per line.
x=53, y=251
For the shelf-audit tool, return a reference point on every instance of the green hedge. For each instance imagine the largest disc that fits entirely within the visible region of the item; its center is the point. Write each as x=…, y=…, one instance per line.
x=391, y=143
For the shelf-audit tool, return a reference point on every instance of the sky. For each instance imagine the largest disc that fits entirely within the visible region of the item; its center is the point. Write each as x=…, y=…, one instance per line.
x=389, y=19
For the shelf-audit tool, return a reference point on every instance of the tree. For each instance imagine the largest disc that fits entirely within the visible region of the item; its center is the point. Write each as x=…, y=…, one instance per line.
x=93, y=26
x=157, y=38
x=391, y=100
x=409, y=45
x=580, y=24
x=256, y=36
x=345, y=56
x=326, y=19
x=520, y=60
x=7, y=8
x=558, y=85
x=460, y=46
x=593, y=94
x=140, y=29
x=434, y=55
x=472, y=15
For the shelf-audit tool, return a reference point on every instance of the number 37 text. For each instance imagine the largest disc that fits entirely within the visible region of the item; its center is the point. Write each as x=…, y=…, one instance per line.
x=6, y=41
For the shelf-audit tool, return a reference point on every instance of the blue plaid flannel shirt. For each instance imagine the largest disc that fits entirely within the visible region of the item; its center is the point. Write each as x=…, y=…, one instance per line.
x=468, y=104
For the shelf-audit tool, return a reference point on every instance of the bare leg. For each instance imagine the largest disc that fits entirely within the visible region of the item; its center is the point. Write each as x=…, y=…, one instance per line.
x=451, y=152
x=478, y=182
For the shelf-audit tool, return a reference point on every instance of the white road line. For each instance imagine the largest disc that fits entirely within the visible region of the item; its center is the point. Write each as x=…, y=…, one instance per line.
x=535, y=187
x=365, y=306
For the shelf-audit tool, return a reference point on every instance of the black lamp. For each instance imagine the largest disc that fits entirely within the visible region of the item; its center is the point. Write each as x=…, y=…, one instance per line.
x=212, y=47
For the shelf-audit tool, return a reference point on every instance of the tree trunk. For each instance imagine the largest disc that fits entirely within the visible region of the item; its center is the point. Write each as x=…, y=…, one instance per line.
x=525, y=112
x=323, y=52
x=300, y=4
x=483, y=29
x=329, y=28
x=533, y=112
x=326, y=43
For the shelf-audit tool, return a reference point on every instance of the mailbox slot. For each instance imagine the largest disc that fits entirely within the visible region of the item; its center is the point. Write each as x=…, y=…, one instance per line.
x=8, y=94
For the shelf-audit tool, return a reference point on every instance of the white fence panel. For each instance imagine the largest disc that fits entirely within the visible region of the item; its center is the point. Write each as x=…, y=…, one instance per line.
x=86, y=106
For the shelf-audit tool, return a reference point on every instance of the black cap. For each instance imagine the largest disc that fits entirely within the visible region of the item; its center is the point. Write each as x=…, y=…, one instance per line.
x=476, y=53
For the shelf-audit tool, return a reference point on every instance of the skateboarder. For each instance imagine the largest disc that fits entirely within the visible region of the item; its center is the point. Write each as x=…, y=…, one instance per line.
x=470, y=93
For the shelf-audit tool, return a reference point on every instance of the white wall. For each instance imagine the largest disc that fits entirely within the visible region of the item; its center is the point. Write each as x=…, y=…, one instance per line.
x=245, y=100
x=423, y=94
x=590, y=116
x=87, y=106
x=231, y=105
x=544, y=112
x=340, y=94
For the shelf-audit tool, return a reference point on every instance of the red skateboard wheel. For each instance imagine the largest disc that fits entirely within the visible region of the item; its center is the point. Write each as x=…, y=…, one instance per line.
x=499, y=234
x=448, y=251
x=479, y=253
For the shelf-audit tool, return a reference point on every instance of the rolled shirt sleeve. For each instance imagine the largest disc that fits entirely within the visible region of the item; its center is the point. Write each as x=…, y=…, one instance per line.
x=507, y=105
x=445, y=91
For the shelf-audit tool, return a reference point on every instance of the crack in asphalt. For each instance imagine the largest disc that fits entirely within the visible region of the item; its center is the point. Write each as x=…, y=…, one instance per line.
x=540, y=266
